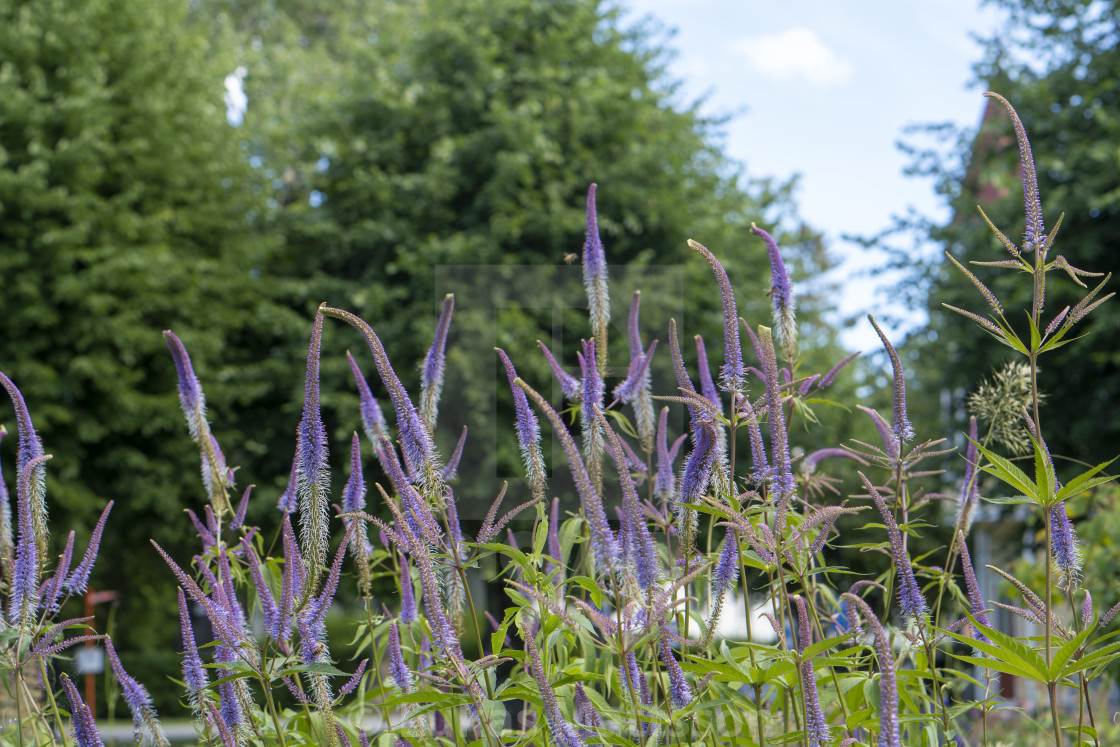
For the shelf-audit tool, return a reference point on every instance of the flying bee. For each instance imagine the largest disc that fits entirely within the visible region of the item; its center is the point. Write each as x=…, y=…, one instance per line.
x=569, y=258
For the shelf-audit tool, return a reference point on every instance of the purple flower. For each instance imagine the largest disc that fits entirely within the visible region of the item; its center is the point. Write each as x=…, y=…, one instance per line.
x=816, y=727
x=554, y=548
x=30, y=449
x=761, y=471
x=665, y=482
x=889, y=735
x=7, y=546
x=144, y=720
x=603, y=542
x=970, y=488
x=974, y=599
x=193, y=673
x=52, y=590
x=890, y=442
x=637, y=377
x=697, y=472
x=569, y=384
x=1035, y=233
x=314, y=474
x=782, y=481
x=416, y=440
x=268, y=603
x=1063, y=541
x=431, y=372
x=354, y=498
x=528, y=432
x=290, y=496
x=591, y=399
x=24, y=594
x=373, y=421
x=707, y=386
x=585, y=711
x=832, y=372
x=679, y=691
x=408, y=597
x=642, y=553
x=85, y=730
x=723, y=576
x=781, y=291
x=451, y=469
x=398, y=670
x=595, y=279
x=901, y=427
x=562, y=731
x=911, y=603
x=733, y=374
x=643, y=391
x=291, y=585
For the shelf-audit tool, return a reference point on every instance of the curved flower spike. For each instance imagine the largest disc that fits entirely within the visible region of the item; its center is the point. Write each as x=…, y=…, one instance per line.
x=431, y=373
x=30, y=448
x=528, y=432
x=595, y=280
x=733, y=374
x=1036, y=232
x=781, y=291
x=314, y=473
x=903, y=431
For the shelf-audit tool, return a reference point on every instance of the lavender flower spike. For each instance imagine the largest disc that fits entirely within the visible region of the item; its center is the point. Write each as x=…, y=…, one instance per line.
x=1064, y=545
x=643, y=402
x=781, y=291
x=595, y=280
x=1035, y=233
x=569, y=384
x=314, y=474
x=562, y=731
x=528, y=432
x=816, y=727
x=373, y=420
x=889, y=735
x=723, y=577
x=30, y=448
x=679, y=692
x=782, y=481
x=24, y=593
x=903, y=431
x=591, y=399
x=970, y=489
x=144, y=720
x=665, y=483
x=193, y=673
x=85, y=730
x=431, y=372
x=733, y=374
x=976, y=602
x=408, y=596
x=7, y=542
x=910, y=600
x=398, y=670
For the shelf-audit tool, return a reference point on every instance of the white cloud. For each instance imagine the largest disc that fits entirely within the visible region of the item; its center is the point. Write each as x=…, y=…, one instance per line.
x=795, y=53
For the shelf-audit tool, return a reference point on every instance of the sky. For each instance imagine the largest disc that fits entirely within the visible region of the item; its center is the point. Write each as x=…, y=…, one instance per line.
x=825, y=90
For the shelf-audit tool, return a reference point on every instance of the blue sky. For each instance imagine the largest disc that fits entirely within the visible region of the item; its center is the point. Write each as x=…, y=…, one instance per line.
x=824, y=90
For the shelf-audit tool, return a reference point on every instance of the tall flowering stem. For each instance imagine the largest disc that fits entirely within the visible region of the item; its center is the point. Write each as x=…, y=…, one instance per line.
x=733, y=374
x=643, y=389
x=595, y=280
x=193, y=403
x=24, y=594
x=528, y=432
x=431, y=371
x=782, y=481
x=591, y=398
x=30, y=449
x=781, y=293
x=85, y=730
x=314, y=473
x=7, y=541
x=903, y=431
x=816, y=727
x=911, y=603
x=889, y=735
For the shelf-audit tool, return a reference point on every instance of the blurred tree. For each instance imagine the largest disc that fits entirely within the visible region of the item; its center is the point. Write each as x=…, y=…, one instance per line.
x=127, y=207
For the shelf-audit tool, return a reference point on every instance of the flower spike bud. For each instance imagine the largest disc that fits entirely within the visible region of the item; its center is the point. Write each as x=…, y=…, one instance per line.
x=733, y=375
x=431, y=373
x=30, y=449
x=242, y=508
x=903, y=431
x=314, y=473
x=595, y=281
x=723, y=577
x=684, y=383
x=637, y=378
x=528, y=432
x=85, y=730
x=910, y=600
x=1036, y=232
x=373, y=421
x=781, y=292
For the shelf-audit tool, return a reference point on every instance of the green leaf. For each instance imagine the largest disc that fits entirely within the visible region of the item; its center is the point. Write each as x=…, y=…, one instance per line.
x=1008, y=473
x=1084, y=481
x=1062, y=656
x=1007, y=500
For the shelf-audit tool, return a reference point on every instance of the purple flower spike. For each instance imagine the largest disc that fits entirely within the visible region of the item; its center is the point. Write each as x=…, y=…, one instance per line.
x=585, y=711
x=643, y=396
x=416, y=440
x=528, y=432
x=591, y=399
x=1063, y=543
x=781, y=291
x=970, y=486
x=291, y=585
x=85, y=730
x=782, y=481
x=835, y=370
x=451, y=469
x=191, y=398
x=603, y=541
x=373, y=420
x=354, y=494
x=24, y=593
x=1035, y=233
x=723, y=576
x=595, y=280
x=911, y=603
x=53, y=588
x=554, y=548
x=637, y=377
x=264, y=593
x=903, y=431
x=890, y=442
x=562, y=731
x=889, y=735
x=665, y=483
x=314, y=474
x=194, y=675
x=431, y=372
x=144, y=720
x=30, y=449
x=242, y=507
x=408, y=597
x=733, y=374
x=7, y=544
x=707, y=386
x=398, y=670
x=636, y=536
x=679, y=692
x=684, y=383
x=288, y=501
x=976, y=602
x=569, y=384
x=816, y=727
